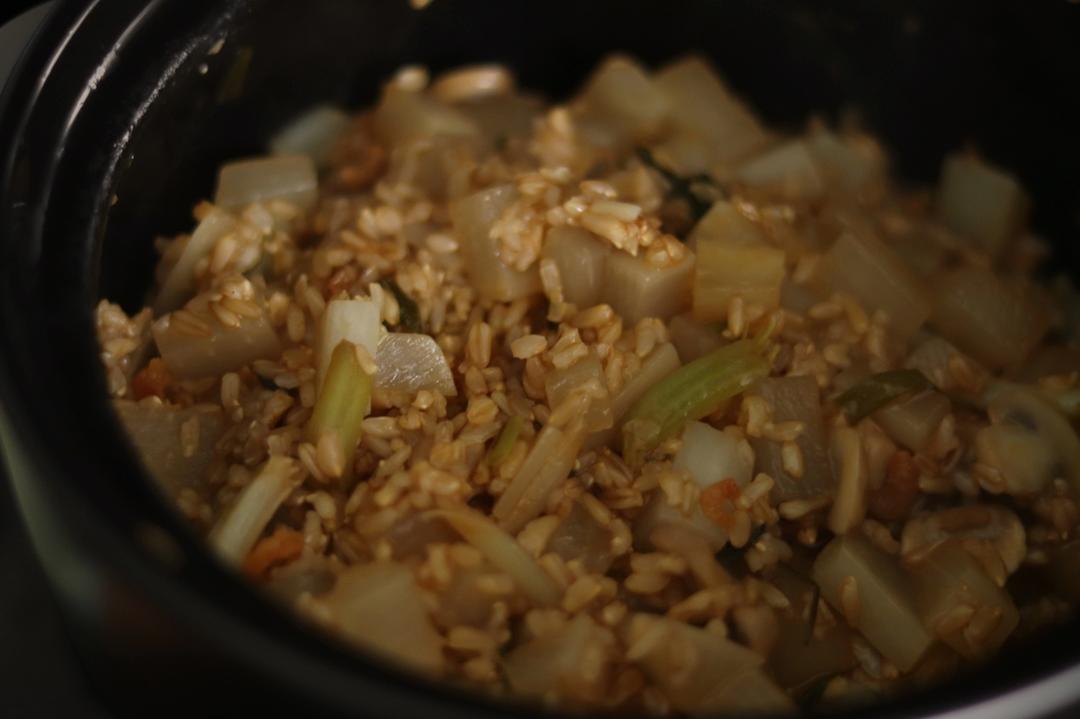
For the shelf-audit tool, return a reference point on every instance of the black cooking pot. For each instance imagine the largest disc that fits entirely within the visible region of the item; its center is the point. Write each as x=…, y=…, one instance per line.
x=115, y=122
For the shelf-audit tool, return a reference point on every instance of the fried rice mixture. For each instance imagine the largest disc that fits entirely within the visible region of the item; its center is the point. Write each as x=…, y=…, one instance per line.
x=628, y=402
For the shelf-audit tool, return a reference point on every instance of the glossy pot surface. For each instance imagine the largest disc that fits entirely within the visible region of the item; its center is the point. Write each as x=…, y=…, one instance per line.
x=118, y=115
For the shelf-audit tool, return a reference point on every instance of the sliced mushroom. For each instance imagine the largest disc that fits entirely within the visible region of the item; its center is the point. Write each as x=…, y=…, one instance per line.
x=991, y=534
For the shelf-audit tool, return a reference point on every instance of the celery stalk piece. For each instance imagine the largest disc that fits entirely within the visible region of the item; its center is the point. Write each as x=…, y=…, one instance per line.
x=344, y=401
x=505, y=441
x=690, y=393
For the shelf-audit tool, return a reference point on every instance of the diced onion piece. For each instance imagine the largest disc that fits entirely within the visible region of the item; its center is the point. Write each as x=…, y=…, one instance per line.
x=580, y=536
x=411, y=362
x=998, y=323
x=693, y=339
x=854, y=165
x=356, y=321
x=702, y=107
x=786, y=172
x=179, y=284
x=659, y=515
x=155, y=430
x=473, y=217
x=723, y=273
x=240, y=526
x=700, y=671
x=203, y=347
x=980, y=201
x=561, y=383
x=403, y=116
x=380, y=607
x=711, y=456
x=912, y=422
x=849, y=506
x=313, y=133
x=621, y=95
x=503, y=117
x=343, y=402
x=636, y=289
x=504, y=552
x=951, y=585
x=1018, y=405
x=288, y=178
x=881, y=594
x=551, y=665
x=864, y=267
x=795, y=399
x=691, y=392
x=546, y=466
x=580, y=257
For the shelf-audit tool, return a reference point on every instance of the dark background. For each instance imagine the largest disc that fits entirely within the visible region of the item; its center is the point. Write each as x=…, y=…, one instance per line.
x=39, y=673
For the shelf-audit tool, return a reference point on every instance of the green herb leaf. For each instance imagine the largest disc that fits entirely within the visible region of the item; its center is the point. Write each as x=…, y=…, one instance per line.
x=681, y=188
x=409, y=313
x=878, y=390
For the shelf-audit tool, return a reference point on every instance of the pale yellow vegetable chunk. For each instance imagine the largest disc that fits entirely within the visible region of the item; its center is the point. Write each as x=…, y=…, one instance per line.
x=621, y=95
x=980, y=201
x=881, y=606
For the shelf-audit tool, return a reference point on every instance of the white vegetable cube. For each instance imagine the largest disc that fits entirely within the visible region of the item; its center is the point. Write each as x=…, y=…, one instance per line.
x=876, y=596
x=354, y=320
x=637, y=289
x=403, y=116
x=980, y=201
x=787, y=171
x=712, y=456
x=473, y=217
x=851, y=164
x=155, y=429
x=702, y=672
x=960, y=604
x=195, y=343
x=313, y=134
x=795, y=399
x=562, y=383
x=996, y=322
x=622, y=95
x=913, y=421
x=179, y=283
x=288, y=178
x=580, y=257
x=380, y=608
x=703, y=107
x=864, y=267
